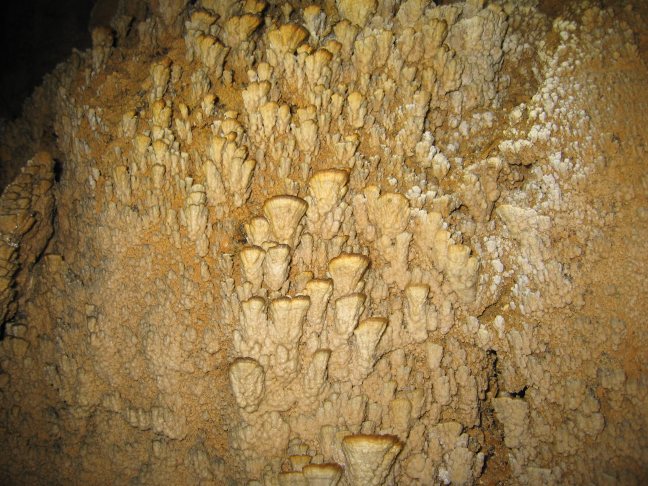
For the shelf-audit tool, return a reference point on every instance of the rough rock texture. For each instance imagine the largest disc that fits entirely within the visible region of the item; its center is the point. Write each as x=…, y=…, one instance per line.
x=354, y=243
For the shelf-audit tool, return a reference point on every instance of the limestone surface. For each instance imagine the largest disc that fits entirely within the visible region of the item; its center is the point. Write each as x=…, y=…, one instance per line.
x=347, y=243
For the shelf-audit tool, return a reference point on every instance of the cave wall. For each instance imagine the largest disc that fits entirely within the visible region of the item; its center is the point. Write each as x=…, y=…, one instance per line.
x=355, y=242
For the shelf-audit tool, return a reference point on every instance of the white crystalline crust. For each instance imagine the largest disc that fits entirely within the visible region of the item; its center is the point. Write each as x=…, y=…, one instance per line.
x=352, y=243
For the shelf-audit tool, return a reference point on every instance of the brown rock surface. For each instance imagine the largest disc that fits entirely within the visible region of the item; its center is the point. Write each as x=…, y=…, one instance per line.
x=398, y=243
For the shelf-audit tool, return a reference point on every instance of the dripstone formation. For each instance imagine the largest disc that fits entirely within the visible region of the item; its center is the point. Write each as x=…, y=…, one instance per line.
x=345, y=243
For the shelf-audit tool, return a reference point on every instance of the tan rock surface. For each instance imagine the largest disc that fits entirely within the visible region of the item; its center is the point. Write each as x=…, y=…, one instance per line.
x=354, y=243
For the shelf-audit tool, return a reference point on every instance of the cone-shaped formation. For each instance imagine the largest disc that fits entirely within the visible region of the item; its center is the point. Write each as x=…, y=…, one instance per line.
x=346, y=271
x=323, y=474
x=367, y=336
x=247, y=379
x=328, y=187
x=369, y=458
x=284, y=214
x=287, y=38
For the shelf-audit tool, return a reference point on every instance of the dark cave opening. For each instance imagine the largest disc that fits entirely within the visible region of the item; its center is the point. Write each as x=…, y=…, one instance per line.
x=36, y=35
x=519, y=393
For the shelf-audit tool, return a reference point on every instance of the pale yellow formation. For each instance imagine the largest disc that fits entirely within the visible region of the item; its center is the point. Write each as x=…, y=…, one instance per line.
x=347, y=243
x=369, y=458
x=26, y=218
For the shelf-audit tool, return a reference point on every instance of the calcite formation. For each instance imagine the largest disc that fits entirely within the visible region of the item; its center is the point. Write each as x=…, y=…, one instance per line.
x=355, y=242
